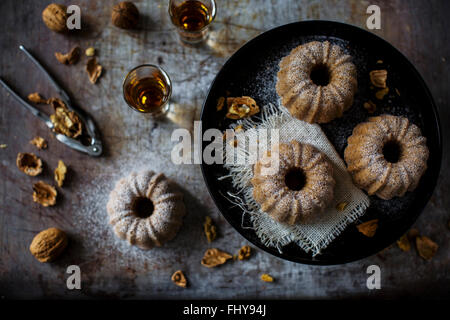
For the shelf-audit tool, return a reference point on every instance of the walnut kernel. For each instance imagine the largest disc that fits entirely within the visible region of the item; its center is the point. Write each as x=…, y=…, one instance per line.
x=244, y=253
x=60, y=173
x=215, y=257
x=44, y=194
x=39, y=142
x=94, y=70
x=368, y=228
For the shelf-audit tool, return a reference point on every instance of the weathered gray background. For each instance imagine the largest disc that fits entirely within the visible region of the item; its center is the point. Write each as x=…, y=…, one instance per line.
x=110, y=268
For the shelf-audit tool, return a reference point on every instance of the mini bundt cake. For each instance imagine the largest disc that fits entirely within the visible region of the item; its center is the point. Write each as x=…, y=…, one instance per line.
x=300, y=184
x=144, y=210
x=317, y=82
x=386, y=156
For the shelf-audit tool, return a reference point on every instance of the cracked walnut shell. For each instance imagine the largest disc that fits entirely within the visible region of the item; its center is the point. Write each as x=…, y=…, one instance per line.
x=48, y=244
x=44, y=194
x=29, y=163
x=94, y=70
x=179, y=279
x=215, y=257
x=71, y=57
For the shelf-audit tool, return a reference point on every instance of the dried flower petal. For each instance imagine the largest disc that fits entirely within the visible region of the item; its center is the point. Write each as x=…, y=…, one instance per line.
x=426, y=247
x=370, y=106
x=214, y=257
x=44, y=194
x=29, y=163
x=210, y=229
x=69, y=58
x=179, y=279
x=403, y=243
x=368, y=228
x=94, y=70
x=239, y=128
x=241, y=107
x=266, y=278
x=220, y=103
x=397, y=92
x=244, y=253
x=39, y=142
x=381, y=93
x=341, y=206
x=66, y=122
x=60, y=173
x=35, y=97
x=378, y=78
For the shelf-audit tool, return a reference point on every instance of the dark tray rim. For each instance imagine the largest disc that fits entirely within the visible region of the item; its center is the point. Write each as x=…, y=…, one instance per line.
x=435, y=172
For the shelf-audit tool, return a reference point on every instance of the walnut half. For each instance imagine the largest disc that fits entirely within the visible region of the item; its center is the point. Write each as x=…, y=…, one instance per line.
x=44, y=194
x=29, y=164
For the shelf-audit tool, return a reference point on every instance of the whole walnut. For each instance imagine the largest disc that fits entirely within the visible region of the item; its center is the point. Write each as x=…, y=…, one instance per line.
x=55, y=17
x=48, y=244
x=125, y=15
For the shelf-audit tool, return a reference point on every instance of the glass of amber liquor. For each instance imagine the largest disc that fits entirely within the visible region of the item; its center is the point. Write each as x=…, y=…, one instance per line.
x=192, y=18
x=147, y=89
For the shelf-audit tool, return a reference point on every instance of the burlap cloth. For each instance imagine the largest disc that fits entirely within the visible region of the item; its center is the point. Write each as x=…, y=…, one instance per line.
x=317, y=233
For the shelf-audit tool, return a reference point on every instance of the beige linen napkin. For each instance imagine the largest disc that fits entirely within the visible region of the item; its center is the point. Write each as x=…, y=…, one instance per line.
x=317, y=233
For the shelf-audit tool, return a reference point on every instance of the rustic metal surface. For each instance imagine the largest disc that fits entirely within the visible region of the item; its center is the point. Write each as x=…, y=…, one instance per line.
x=110, y=268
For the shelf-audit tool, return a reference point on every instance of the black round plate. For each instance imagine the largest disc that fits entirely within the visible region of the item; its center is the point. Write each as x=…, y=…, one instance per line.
x=252, y=70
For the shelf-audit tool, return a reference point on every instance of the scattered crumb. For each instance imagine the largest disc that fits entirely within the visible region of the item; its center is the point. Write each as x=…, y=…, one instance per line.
x=381, y=93
x=39, y=142
x=370, y=106
x=266, y=278
x=368, y=228
x=3, y=146
x=35, y=97
x=341, y=206
x=403, y=243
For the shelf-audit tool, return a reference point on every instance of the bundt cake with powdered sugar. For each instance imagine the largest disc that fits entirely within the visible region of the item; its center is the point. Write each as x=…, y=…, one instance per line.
x=386, y=156
x=144, y=209
x=293, y=181
x=317, y=81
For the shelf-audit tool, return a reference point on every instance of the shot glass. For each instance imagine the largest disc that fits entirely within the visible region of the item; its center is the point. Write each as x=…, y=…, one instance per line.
x=192, y=18
x=147, y=88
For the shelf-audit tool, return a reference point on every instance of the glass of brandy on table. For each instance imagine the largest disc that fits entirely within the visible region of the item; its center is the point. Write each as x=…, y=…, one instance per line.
x=192, y=18
x=147, y=89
